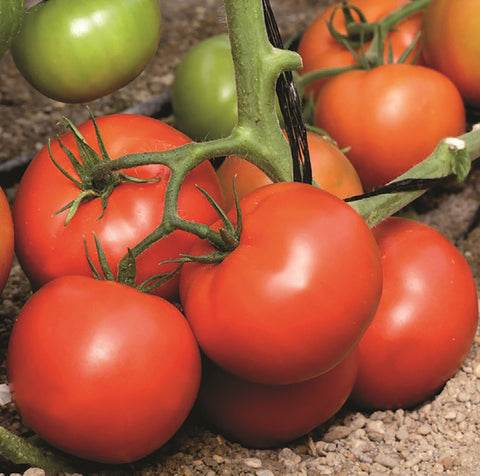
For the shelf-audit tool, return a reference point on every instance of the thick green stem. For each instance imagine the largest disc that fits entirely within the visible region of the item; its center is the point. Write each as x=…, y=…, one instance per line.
x=445, y=161
x=20, y=451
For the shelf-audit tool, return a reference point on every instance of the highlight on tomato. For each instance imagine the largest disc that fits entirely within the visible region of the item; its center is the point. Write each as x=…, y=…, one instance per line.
x=6, y=240
x=101, y=370
x=391, y=117
x=426, y=321
x=48, y=248
x=330, y=169
x=320, y=50
x=265, y=416
x=75, y=52
x=269, y=312
x=451, y=45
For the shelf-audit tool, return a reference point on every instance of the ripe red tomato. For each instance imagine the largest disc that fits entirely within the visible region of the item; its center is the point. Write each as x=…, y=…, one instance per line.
x=392, y=117
x=6, y=240
x=47, y=249
x=269, y=312
x=101, y=370
x=263, y=416
x=330, y=168
x=451, y=43
x=425, y=323
x=319, y=49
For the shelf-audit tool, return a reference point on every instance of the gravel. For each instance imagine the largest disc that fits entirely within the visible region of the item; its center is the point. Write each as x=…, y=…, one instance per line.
x=439, y=436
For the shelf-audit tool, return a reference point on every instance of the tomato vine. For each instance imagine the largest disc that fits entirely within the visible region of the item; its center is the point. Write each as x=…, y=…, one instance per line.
x=258, y=138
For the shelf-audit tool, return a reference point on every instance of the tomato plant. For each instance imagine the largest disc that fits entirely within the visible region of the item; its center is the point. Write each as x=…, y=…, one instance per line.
x=204, y=98
x=425, y=323
x=320, y=50
x=330, y=169
x=76, y=52
x=101, y=370
x=269, y=311
x=264, y=416
x=391, y=117
x=451, y=43
x=46, y=248
x=6, y=240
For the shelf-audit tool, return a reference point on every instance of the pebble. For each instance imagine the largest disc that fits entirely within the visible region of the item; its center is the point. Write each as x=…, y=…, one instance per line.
x=253, y=463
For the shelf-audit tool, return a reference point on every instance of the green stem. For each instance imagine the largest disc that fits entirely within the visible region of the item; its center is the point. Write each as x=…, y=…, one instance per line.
x=20, y=451
x=443, y=162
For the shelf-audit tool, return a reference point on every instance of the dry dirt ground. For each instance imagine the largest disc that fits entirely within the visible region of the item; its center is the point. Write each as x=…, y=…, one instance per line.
x=438, y=437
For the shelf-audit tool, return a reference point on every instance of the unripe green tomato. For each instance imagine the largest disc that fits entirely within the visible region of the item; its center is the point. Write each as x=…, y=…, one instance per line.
x=204, y=98
x=204, y=95
x=76, y=51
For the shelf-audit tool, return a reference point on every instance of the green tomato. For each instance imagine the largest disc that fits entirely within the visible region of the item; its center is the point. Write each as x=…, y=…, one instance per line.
x=79, y=50
x=11, y=15
x=204, y=98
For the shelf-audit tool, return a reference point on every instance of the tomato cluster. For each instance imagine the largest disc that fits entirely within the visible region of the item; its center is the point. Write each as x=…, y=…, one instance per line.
x=307, y=309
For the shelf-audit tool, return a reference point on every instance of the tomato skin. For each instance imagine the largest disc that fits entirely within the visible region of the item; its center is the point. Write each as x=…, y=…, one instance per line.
x=47, y=249
x=269, y=311
x=6, y=240
x=330, y=169
x=94, y=368
x=265, y=416
x=204, y=97
x=451, y=43
x=319, y=50
x=392, y=117
x=425, y=323
x=77, y=51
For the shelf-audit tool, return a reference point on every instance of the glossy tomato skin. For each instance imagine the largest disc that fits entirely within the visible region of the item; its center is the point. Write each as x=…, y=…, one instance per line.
x=77, y=51
x=451, y=43
x=392, y=117
x=204, y=97
x=330, y=169
x=6, y=240
x=264, y=416
x=270, y=311
x=102, y=371
x=46, y=248
x=319, y=49
x=425, y=323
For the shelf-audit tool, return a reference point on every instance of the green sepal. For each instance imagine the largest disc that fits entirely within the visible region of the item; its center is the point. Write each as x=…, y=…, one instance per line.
x=127, y=269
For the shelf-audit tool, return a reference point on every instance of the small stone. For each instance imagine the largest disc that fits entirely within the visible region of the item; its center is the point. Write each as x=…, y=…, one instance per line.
x=34, y=472
x=424, y=429
x=401, y=434
x=264, y=472
x=450, y=415
x=476, y=371
x=253, y=463
x=337, y=433
x=386, y=460
x=375, y=430
x=217, y=458
x=463, y=397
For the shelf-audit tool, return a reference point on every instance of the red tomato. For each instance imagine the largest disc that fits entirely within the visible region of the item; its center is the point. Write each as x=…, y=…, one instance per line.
x=330, y=168
x=47, y=249
x=264, y=416
x=451, y=43
x=269, y=312
x=425, y=323
x=6, y=240
x=319, y=49
x=101, y=370
x=392, y=117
